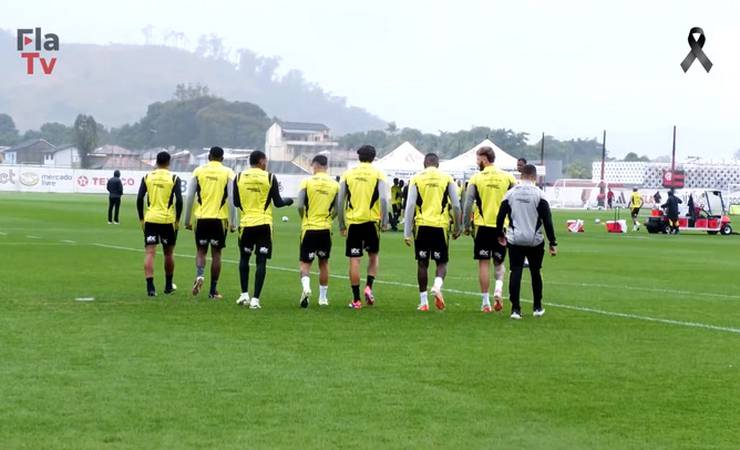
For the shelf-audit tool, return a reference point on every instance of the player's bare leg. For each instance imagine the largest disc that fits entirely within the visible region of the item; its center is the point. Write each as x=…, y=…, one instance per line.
x=200, y=269
x=149, y=252
x=323, y=282
x=354, y=281
x=169, y=269
x=215, y=273
x=484, y=269
x=498, y=289
x=305, y=283
x=372, y=271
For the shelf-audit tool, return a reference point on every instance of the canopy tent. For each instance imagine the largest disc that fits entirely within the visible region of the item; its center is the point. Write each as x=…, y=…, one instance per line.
x=466, y=162
x=403, y=159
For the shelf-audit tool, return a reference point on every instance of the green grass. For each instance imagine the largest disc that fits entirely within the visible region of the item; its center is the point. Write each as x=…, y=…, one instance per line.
x=125, y=371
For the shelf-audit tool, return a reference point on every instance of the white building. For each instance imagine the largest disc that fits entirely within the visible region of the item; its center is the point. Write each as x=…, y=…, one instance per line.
x=63, y=157
x=298, y=142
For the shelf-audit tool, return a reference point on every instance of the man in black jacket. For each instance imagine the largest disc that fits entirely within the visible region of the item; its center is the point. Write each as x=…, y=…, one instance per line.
x=671, y=210
x=115, y=192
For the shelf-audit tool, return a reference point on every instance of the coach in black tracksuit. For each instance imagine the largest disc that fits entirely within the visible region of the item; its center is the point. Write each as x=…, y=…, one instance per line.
x=115, y=192
x=671, y=210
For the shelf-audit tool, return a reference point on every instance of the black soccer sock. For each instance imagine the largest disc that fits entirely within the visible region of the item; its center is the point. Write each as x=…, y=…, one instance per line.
x=150, y=284
x=214, y=285
x=356, y=293
x=370, y=280
x=168, y=282
x=244, y=272
x=259, y=276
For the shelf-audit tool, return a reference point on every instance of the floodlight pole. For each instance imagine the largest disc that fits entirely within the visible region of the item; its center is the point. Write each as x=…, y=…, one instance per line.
x=673, y=155
x=542, y=157
x=602, y=183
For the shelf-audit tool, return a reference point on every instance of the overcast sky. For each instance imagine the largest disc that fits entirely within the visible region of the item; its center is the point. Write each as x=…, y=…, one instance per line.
x=568, y=68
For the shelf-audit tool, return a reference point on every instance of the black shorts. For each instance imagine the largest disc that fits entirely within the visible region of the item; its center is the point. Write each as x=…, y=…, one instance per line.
x=635, y=212
x=210, y=232
x=155, y=233
x=486, y=245
x=315, y=243
x=362, y=236
x=257, y=239
x=431, y=243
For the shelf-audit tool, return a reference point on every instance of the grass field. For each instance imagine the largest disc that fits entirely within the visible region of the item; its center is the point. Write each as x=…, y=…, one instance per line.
x=640, y=346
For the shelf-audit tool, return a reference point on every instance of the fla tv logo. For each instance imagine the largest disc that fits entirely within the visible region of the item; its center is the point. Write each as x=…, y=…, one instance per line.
x=31, y=43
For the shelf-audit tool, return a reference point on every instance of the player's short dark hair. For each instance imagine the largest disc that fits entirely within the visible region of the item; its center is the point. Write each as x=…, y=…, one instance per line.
x=256, y=157
x=366, y=153
x=524, y=160
x=395, y=181
x=117, y=173
x=431, y=159
x=321, y=160
x=487, y=152
x=634, y=189
x=529, y=170
x=216, y=154
x=163, y=159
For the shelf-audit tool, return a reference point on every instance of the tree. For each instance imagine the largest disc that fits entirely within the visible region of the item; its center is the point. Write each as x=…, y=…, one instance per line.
x=577, y=170
x=8, y=131
x=86, y=137
x=190, y=91
x=392, y=128
x=632, y=157
x=57, y=133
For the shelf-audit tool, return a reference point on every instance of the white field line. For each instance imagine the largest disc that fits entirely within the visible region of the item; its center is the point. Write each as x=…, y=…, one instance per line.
x=602, y=312
x=2, y=233
x=30, y=236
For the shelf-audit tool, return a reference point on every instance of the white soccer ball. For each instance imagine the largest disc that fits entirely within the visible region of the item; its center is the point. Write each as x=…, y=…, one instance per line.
x=597, y=220
x=284, y=219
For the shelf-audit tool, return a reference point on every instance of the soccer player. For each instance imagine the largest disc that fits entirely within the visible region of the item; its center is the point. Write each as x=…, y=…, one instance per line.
x=160, y=220
x=528, y=212
x=363, y=213
x=396, y=192
x=209, y=191
x=486, y=190
x=520, y=163
x=254, y=190
x=635, y=205
x=427, y=218
x=318, y=203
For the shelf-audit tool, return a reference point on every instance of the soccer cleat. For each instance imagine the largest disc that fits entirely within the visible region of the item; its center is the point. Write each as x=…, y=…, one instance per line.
x=198, y=285
x=424, y=307
x=323, y=302
x=439, y=301
x=151, y=293
x=305, y=297
x=497, y=305
x=486, y=308
x=255, y=303
x=110, y=223
x=356, y=304
x=369, y=298
x=243, y=299
x=539, y=312
x=171, y=290
x=516, y=315
x=215, y=296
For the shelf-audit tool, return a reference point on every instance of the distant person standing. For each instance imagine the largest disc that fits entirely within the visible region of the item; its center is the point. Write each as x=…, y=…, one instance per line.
x=657, y=198
x=635, y=205
x=610, y=198
x=520, y=164
x=115, y=192
x=671, y=210
x=528, y=212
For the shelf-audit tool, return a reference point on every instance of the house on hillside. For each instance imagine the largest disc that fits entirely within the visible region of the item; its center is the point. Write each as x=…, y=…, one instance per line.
x=112, y=157
x=66, y=156
x=2, y=153
x=34, y=151
x=298, y=142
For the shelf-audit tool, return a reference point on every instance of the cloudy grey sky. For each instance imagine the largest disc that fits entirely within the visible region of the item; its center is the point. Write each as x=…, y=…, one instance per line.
x=569, y=68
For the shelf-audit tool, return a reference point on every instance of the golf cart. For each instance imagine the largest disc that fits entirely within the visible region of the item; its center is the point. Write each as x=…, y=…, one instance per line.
x=709, y=215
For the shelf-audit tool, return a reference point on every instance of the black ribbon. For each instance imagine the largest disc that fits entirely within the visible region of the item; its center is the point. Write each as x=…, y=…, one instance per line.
x=696, y=51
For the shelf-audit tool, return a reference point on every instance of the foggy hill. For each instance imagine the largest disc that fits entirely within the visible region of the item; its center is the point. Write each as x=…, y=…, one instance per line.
x=115, y=83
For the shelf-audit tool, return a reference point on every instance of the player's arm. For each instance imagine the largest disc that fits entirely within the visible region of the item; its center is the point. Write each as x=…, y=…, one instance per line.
x=178, y=200
x=543, y=210
x=277, y=200
x=468, y=207
x=300, y=202
x=408, y=219
x=335, y=206
x=456, y=210
x=140, y=199
x=230, y=188
x=385, y=203
x=504, y=211
x=189, y=199
x=341, y=201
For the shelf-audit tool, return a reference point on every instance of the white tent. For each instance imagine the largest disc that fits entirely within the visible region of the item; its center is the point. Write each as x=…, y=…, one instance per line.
x=404, y=158
x=466, y=162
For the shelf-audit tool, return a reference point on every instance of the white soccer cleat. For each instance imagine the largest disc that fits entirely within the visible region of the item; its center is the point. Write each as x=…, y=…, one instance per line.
x=255, y=303
x=516, y=316
x=539, y=312
x=243, y=299
x=305, y=298
x=198, y=285
x=323, y=302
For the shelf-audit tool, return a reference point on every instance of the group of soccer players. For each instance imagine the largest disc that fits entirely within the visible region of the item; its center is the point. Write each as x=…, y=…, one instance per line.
x=219, y=199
